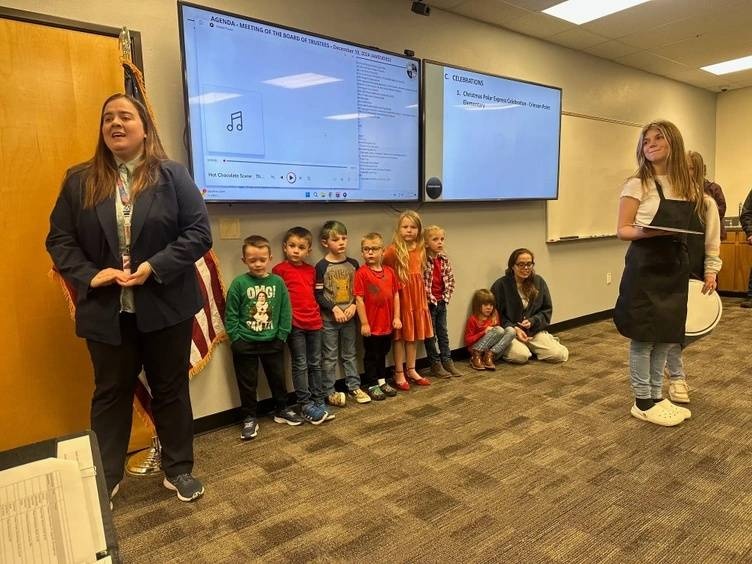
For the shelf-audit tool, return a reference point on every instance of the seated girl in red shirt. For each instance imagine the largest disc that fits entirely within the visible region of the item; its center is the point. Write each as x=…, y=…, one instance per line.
x=484, y=337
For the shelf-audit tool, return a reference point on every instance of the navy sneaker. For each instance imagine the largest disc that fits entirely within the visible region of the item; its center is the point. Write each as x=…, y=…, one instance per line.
x=288, y=416
x=186, y=486
x=249, y=428
x=329, y=414
x=313, y=414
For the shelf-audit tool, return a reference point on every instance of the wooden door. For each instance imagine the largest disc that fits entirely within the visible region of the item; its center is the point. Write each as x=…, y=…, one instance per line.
x=743, y=262
x=54, y=82
x=728, y=250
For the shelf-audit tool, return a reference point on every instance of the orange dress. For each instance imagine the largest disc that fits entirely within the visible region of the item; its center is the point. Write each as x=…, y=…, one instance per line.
x=414, y=313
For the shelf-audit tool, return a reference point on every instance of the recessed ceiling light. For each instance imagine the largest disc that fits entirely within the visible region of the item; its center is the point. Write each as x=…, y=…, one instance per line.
x=734, y=65
x=583, y=11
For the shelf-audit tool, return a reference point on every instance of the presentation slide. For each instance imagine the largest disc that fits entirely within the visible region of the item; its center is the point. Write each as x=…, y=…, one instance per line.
x=488, y=137
x=281, y=115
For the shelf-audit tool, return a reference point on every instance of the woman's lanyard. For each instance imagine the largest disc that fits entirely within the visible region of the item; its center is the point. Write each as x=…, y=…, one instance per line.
x=125, y=199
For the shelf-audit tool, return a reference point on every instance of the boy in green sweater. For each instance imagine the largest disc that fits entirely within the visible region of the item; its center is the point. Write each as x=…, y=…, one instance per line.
x=258, y=319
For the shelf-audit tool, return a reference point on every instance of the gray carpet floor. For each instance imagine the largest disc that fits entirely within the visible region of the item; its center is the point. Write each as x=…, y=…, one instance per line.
x=533, y=463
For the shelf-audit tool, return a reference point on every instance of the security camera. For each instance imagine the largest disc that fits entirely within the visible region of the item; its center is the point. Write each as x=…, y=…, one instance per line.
x=421, y=8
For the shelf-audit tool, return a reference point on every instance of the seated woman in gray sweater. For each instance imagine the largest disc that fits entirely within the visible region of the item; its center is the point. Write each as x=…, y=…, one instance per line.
x=524, y=303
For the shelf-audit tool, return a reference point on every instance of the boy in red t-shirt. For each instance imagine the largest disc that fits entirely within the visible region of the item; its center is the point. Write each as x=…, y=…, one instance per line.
x=377, y=300
x=305, y=338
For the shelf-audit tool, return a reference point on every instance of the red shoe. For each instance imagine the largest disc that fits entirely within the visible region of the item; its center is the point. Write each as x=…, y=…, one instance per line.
x=420, y=381
x=403, y=386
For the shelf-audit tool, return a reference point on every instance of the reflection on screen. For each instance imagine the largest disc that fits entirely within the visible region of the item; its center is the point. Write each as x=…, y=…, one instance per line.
x=276, y=114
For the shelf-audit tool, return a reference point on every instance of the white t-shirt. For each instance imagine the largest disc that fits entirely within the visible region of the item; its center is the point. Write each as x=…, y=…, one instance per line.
x=650, y=200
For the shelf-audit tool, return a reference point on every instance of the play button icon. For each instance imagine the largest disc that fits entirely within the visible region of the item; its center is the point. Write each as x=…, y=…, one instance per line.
x=291, y=178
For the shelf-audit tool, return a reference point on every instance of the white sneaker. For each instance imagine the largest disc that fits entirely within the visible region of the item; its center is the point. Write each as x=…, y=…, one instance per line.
x=668, y=406
x=678, y=390
x=656, y=415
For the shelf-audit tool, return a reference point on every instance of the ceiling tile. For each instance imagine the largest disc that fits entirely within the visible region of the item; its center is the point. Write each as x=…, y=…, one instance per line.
x=446, y=5
x=611, y=49
x=577, y=38
x=494, y=12
x=539, y=25
x=647, y=16
x=651, y=62
x=707, y=49
x=533, y=5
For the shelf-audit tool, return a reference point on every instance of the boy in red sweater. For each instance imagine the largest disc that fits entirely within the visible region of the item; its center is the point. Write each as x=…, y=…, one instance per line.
x=305, y=338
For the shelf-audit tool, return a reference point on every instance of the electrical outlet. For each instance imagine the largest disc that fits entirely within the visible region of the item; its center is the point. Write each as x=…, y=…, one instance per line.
x=608, y=278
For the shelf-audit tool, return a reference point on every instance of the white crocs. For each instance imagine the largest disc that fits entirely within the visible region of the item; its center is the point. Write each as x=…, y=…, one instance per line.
x=668, y=406
x=657, y=415
x=678, y=390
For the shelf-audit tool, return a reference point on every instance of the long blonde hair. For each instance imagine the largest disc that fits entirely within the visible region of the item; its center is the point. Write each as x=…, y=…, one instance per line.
x=401, y=251
x=676, y=163
x=100, y=176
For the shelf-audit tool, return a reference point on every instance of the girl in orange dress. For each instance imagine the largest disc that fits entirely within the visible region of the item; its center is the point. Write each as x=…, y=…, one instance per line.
x=407, y=255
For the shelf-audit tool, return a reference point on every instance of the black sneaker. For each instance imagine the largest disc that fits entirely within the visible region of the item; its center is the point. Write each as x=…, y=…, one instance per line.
x=388, y=390
x=186, y=486
x=249, y=428
x=288, y=416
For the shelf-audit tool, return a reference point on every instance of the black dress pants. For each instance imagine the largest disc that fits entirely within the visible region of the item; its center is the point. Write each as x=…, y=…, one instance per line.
x=375, y=349
x=164, y=356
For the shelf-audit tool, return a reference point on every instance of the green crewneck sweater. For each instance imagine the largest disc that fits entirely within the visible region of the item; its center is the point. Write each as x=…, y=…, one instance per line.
x=258, y=309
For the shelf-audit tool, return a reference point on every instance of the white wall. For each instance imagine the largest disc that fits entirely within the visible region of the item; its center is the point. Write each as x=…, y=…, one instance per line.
x=480, y=237
x=734, y=146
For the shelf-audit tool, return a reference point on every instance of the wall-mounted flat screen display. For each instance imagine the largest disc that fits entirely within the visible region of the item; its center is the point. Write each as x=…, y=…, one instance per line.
x=276, y=114
x=488, y=137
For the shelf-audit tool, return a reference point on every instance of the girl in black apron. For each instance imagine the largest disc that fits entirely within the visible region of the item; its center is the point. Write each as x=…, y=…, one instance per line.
x=652, y=306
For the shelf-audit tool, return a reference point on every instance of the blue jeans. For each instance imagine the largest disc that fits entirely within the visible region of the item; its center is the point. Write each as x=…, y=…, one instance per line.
x=646, y=362
x=338, y=341
x=674, y=361
x=305, y=356
x=437, y=347
x=497, y=340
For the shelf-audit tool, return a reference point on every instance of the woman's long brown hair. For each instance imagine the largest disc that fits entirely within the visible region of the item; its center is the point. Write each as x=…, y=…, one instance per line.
x=527, y=287
x=676, y=164
x=100, y=176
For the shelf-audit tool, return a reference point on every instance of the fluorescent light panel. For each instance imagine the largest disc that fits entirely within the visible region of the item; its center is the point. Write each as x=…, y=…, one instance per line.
x=583, y=11
x=734, y=65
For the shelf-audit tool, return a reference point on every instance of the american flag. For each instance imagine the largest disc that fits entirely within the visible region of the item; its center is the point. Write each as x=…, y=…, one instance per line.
x=208, y=328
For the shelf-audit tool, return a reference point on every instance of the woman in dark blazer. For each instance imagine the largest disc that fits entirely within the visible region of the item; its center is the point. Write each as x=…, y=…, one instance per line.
x=125, y=232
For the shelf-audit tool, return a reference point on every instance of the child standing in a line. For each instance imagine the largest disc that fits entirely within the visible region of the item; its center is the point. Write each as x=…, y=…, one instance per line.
x=439, y=281
x=377, y=300
x=407, y=255
x=484, y=337
x=305, y=338
x=258, y=321
x=335, y=274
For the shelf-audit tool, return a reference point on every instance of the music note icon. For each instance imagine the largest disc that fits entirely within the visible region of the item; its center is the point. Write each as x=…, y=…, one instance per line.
x=235, y=117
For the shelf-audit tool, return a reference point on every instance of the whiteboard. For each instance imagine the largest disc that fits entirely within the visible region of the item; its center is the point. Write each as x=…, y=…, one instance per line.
x=597, y=156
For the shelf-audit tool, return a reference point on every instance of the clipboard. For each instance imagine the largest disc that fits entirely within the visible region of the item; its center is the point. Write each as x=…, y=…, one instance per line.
x=671, y=229
x=79, y=452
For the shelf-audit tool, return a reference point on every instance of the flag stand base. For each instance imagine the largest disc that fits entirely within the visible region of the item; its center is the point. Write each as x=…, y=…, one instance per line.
x=147, y=462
